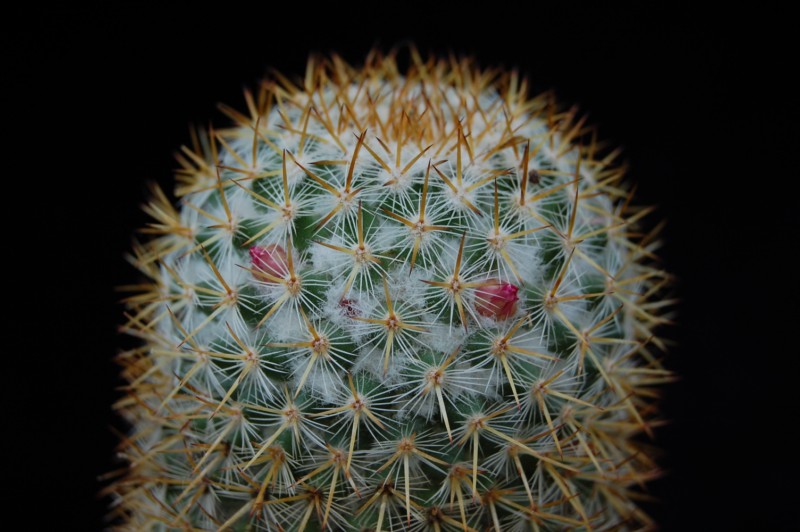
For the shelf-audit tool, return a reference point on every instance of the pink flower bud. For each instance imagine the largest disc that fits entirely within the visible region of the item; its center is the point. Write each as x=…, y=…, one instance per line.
x=497, y=300
x=270, y=260
x=349, y=308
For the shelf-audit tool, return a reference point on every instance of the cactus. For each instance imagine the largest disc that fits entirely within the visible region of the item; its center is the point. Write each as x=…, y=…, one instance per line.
x=389, y=300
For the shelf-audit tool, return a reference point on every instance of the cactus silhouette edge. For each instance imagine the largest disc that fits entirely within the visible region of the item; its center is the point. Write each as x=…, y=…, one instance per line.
x=390, y=299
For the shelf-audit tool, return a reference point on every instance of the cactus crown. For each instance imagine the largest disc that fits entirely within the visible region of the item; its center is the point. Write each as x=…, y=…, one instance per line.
x=392, y=300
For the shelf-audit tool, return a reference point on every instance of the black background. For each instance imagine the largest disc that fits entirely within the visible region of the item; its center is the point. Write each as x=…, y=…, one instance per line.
x=701, y=102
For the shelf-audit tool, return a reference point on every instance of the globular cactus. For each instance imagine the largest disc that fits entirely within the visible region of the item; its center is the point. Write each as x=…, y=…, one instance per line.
x=392, y=300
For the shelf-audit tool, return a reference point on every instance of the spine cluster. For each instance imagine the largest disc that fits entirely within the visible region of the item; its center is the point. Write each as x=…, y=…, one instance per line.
x=392, y=300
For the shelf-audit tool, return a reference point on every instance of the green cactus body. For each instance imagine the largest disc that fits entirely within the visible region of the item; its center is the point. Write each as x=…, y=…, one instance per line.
x=392, y=301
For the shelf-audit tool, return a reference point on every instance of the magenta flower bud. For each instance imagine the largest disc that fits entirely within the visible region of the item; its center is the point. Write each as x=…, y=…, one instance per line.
x=498, y=300
x=271, y=260
x=349, y=308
